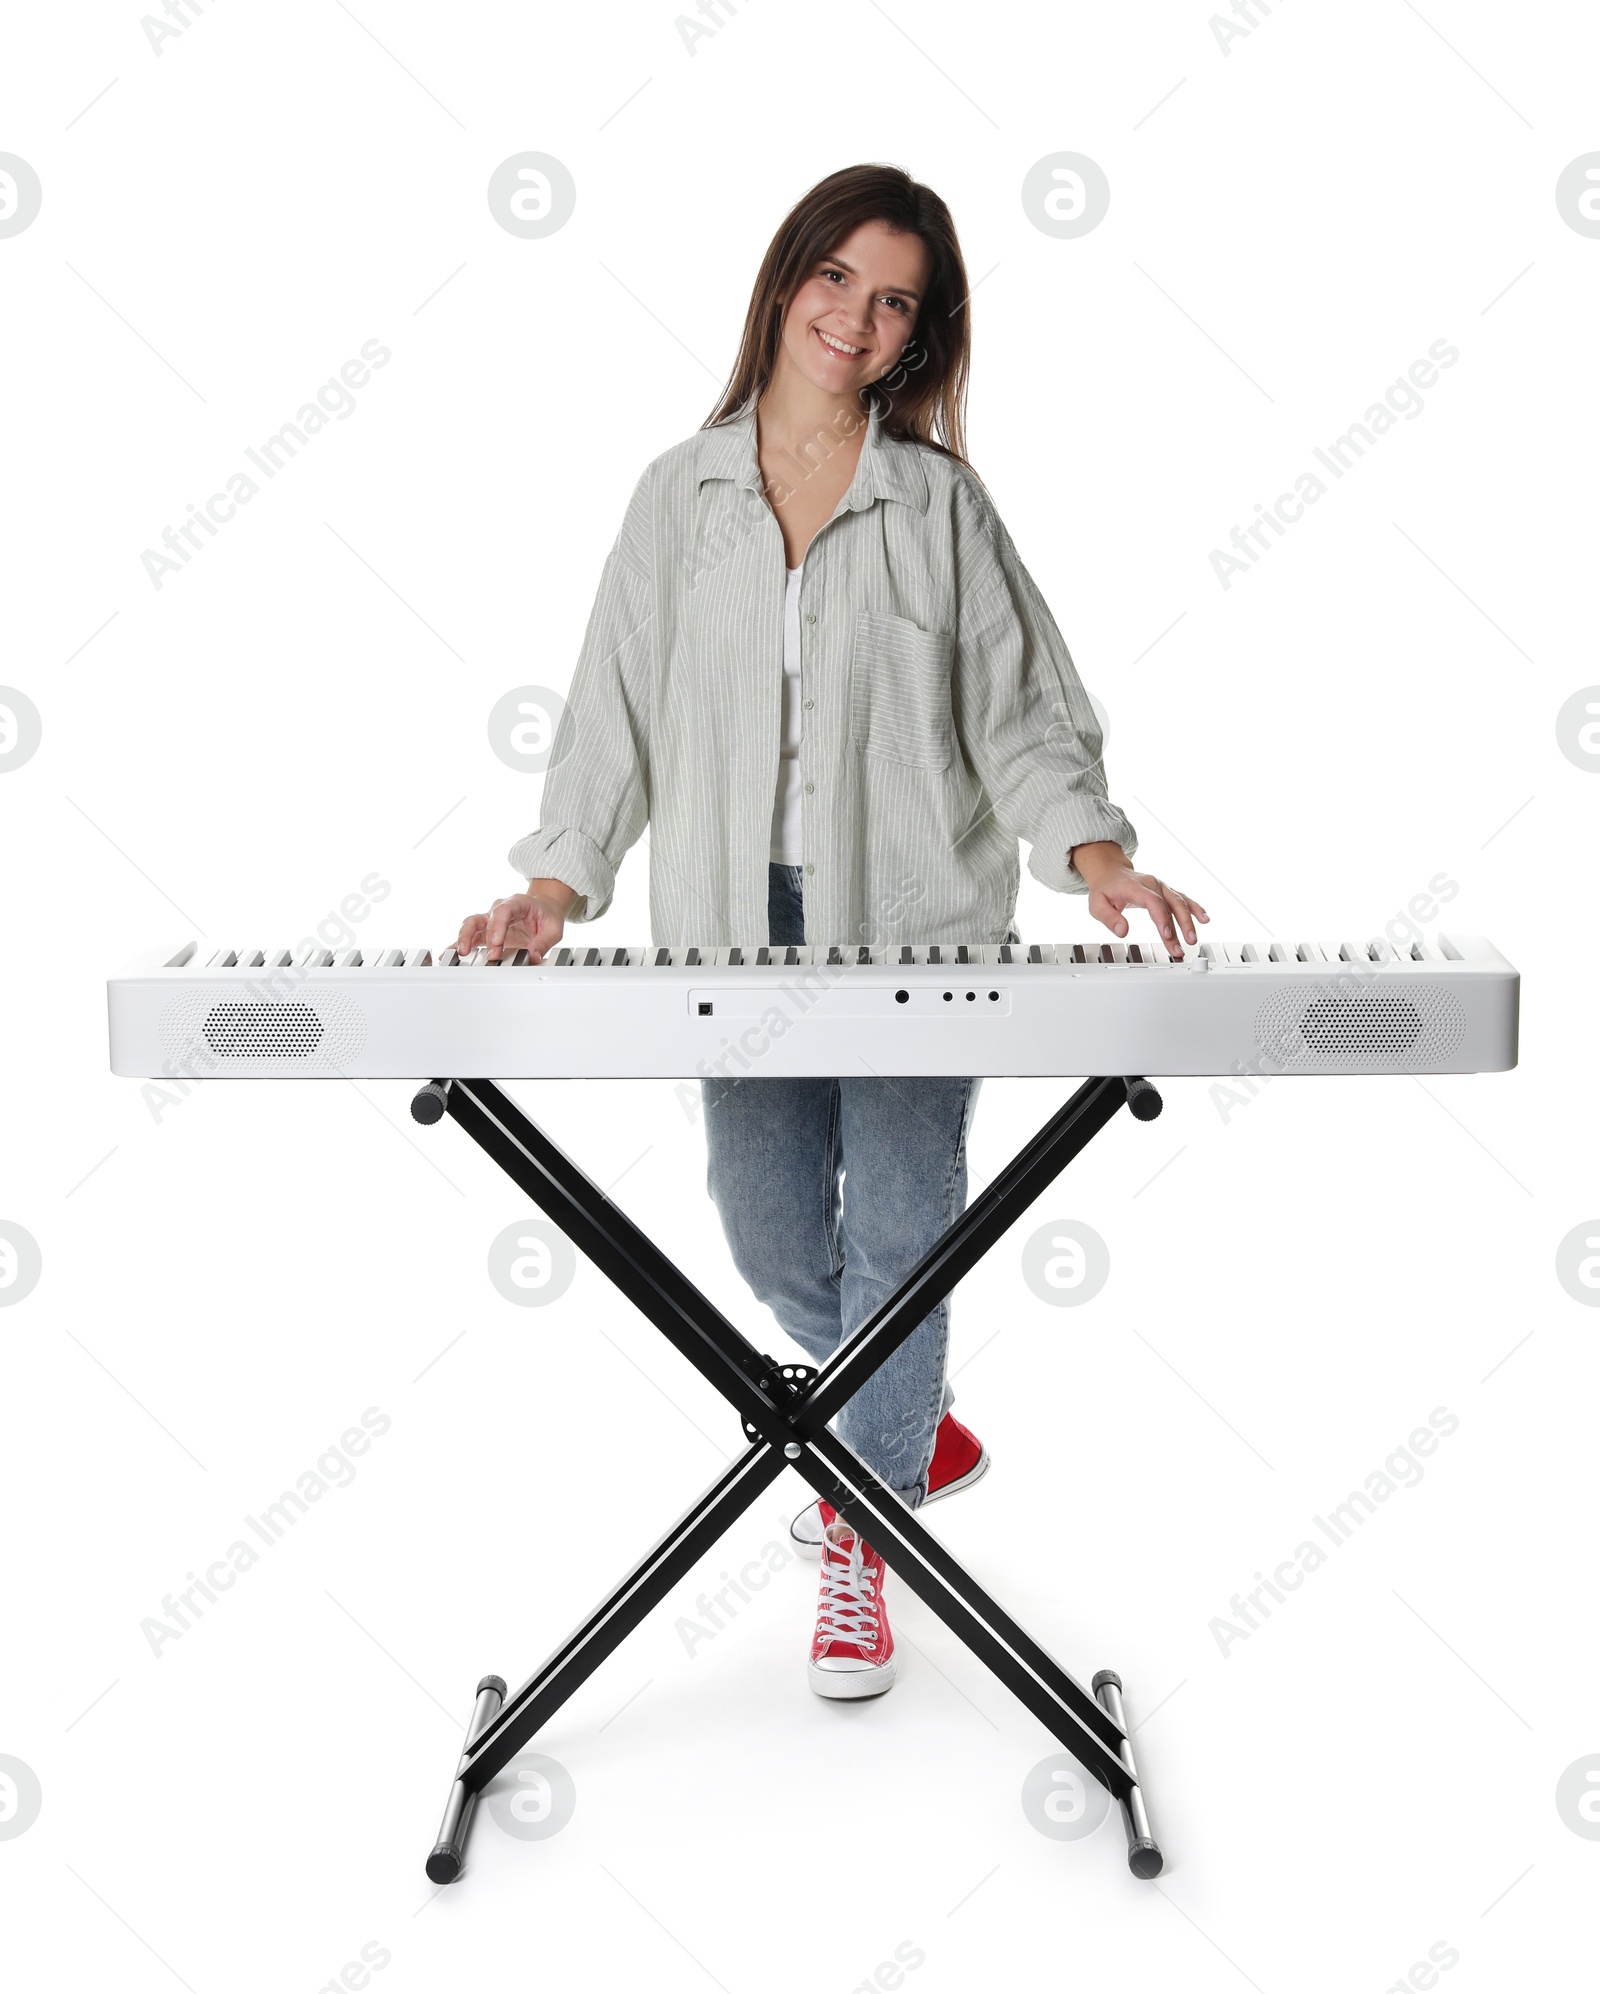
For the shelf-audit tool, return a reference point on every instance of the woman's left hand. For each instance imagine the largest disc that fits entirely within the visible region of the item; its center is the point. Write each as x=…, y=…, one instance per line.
x=1114, y=886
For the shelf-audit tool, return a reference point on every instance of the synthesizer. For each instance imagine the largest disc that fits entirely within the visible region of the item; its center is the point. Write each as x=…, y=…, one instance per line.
x=594, y=1010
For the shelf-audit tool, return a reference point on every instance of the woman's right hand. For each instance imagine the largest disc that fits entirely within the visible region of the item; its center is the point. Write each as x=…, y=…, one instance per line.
x=533, y=921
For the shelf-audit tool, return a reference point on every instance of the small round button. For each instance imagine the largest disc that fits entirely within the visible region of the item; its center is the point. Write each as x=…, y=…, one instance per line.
x=809, y=787
x=810, y=867
x=811, y=616
x=809, y=704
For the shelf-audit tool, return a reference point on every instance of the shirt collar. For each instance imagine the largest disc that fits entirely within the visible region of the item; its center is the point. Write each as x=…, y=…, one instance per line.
x=885, y=469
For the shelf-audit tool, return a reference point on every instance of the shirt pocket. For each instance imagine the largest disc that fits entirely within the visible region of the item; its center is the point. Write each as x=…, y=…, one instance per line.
x=900, y=690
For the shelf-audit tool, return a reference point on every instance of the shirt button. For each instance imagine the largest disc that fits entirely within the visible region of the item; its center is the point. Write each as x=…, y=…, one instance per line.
x=809, y=787
x=810, y=868
x=809, y=704
x=811, y=616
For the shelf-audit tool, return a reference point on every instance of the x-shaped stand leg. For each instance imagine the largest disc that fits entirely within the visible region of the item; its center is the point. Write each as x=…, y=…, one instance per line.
x=785, y=1410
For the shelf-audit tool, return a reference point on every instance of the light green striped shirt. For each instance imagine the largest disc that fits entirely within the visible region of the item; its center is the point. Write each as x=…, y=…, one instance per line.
x=943, y=716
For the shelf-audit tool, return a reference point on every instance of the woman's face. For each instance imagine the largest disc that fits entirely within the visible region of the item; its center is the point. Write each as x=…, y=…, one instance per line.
x=849, y=321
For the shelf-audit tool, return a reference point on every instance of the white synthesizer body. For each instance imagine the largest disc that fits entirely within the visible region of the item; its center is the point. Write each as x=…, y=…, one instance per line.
x=1446, y=1005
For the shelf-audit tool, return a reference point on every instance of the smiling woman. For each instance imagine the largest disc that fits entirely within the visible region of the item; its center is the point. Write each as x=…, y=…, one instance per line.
x=819, y=671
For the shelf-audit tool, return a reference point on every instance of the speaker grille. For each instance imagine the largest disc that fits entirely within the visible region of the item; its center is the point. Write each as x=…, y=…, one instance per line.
x=1352, y=1031
x=262, y=1031
x=200, y=1036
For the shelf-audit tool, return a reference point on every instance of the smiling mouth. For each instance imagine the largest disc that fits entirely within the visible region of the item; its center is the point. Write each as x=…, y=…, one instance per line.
x=838, y=351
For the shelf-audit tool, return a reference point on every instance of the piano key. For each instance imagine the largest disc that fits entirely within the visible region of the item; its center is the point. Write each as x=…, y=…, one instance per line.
x=519, y=960
x=619, y=959
x=662, y=958
x=419, y=958
x=692, y=959
x=791, y=957
x=351, y=959
x=763, y=958
x=1249, y=953
x=835, y=958
x=1005, y=952
x=963, y=953
x=1378, y=950
x=735, y=958
x=563, y=958
x=906, y=956
x=934, y=955
x=863, y=957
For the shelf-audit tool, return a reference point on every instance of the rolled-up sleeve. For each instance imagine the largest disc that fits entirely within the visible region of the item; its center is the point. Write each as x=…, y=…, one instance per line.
x=597, y=790
x=1024, y=721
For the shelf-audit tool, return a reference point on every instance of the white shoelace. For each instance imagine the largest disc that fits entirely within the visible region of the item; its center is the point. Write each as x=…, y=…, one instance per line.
x=846, y=1609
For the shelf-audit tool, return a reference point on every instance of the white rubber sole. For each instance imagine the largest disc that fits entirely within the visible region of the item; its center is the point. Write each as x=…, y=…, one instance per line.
x=850, y=1685
x=811, y=1547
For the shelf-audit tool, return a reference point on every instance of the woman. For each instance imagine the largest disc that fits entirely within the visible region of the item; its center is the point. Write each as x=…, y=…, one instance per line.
x=817, y=667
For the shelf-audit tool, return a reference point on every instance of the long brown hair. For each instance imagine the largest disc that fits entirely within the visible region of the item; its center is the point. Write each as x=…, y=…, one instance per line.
x=923, y=398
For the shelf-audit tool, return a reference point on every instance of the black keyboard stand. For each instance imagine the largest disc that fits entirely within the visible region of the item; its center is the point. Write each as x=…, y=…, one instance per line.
x=785, y=1409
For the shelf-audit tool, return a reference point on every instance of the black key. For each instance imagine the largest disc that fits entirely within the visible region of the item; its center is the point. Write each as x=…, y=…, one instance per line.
x=763, y=958
x=692, y=959
x=620, y=959
x=791, y=958
x=519, y=958
x=835, y=960
x=933, y=953
x=962, y=955
x=906, y=955
x=591, y=959
x=863, y=957
x=1034, y=953
x=563, y=957
x=736, y=958
x=1005, y=951
x=663, y=958
x=1078, y=953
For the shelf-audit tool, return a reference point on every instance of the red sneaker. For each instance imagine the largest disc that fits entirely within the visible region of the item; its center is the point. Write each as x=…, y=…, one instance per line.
x=852, y=1652
x=959, y=1459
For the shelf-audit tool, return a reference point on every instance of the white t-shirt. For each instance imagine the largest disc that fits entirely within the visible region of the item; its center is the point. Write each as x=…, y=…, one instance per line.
x=786, y=840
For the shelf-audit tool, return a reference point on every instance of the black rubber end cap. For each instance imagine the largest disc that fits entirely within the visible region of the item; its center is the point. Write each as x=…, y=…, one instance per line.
x=1144, y=1103
x=1144, y=1859
x=443, y=1866
x=493, y=1682
x=427, y=1104
x=1104, y=1676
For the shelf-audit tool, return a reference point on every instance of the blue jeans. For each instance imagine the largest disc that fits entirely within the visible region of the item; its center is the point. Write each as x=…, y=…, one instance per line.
x=824, y=1263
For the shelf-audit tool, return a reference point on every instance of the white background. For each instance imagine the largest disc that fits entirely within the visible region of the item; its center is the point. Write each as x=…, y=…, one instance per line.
x=1297, y=1280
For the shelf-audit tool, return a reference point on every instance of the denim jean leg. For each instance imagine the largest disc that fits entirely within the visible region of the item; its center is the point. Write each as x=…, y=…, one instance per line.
x=905, y=1160
x=772, y=1169
x=775, y=1152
